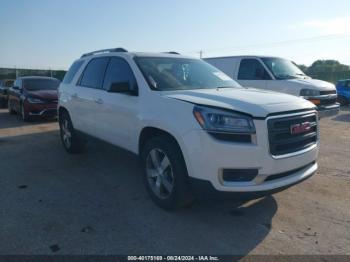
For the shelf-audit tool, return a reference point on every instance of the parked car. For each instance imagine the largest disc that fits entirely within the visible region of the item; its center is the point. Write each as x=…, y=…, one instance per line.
x=34, y=96
x=193, y=127
x=280, y=75
x=4, y=87
x=343, y=88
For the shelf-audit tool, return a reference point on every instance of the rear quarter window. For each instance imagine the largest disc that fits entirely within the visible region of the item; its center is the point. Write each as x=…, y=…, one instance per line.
x=72, y=72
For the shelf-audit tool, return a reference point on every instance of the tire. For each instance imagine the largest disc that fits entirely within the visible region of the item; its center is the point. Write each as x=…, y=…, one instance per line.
x=165, y=173
x=71, y=141
x=11, y=111
x=24, y=115
x=342, y=101
x=3, y=103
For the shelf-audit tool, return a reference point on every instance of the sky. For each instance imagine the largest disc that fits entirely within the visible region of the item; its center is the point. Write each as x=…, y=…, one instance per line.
x=52, y=34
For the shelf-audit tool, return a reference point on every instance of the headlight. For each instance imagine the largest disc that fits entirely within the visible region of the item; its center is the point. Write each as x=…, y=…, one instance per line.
x=33, y=100
x=309, y=92
x=216, y=120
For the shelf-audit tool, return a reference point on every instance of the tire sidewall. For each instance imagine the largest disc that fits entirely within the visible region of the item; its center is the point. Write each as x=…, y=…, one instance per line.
x=179, y=172
x=63, y=117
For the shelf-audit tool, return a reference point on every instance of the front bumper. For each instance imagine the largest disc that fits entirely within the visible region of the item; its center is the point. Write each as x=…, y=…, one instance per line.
x=41, y=110
x=328, y=110
x=207, y=157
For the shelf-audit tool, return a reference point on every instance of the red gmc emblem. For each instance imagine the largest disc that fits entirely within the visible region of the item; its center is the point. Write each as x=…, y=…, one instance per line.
x=300, y=128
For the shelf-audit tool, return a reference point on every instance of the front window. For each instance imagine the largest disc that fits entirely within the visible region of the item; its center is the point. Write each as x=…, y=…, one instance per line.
x=283, y=68
x=167, y=74
x=41, y=84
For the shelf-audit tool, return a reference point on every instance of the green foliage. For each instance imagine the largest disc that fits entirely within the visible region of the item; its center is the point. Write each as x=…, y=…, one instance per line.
x=328, y=70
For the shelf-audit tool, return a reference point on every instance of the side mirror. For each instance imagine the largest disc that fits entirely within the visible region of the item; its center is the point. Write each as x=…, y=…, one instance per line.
x=122, y=87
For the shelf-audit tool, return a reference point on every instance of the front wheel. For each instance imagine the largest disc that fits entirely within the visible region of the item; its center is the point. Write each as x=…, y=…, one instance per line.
x=71, y=141
x=342, y=101
x=24, y=114
x=165, y=173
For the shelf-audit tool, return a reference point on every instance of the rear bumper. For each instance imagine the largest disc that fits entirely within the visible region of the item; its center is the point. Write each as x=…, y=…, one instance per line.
x=328, y=110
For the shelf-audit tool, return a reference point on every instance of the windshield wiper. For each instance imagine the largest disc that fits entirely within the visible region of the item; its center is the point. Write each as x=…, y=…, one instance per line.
x=221, y=87
x=286, y=76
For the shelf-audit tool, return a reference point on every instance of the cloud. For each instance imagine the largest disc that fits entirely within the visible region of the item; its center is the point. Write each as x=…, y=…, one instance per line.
x=327, y=26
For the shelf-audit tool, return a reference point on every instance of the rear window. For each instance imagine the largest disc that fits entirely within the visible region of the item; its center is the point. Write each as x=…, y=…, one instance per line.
x=72, y=72
x=40, y=84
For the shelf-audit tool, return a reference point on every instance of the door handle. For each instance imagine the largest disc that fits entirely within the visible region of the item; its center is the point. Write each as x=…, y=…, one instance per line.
x=99, y=101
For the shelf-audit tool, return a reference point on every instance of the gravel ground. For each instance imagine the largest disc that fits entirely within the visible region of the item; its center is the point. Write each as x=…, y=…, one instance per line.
x=95, y=203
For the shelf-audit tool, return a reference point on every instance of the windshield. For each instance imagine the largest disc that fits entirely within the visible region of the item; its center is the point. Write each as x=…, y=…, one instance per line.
x=41, y=84
x=166, y=74
x=283, y=69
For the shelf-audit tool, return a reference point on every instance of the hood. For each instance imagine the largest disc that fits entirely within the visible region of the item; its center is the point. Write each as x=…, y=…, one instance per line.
x=44, y=94
x=314, y=83
x=258, y=103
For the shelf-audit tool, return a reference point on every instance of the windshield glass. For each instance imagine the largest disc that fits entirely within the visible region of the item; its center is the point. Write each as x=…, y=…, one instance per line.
x=166, y=74
x=41, y=84
x=283, y=68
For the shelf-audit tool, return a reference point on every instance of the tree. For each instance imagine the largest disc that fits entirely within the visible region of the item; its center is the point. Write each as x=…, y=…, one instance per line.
x=327, y=66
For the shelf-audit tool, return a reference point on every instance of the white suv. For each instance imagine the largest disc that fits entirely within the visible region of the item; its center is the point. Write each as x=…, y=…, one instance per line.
x=193, y=126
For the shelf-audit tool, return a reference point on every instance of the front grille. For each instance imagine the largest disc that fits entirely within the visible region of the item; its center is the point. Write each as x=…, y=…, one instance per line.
x=281, y=139
x=328, y=101
x=331, y=92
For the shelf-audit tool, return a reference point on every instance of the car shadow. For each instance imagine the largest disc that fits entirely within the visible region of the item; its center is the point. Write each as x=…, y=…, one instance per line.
x=96, y=203
x=343, y=117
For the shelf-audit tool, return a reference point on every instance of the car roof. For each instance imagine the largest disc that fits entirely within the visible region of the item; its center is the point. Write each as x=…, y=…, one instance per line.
x=37, y=77
x=244, y=56
x=124, y=53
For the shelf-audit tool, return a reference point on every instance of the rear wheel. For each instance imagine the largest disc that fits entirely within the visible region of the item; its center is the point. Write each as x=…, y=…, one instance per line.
x=72, y=142
x=11, y=111
x=165, y=173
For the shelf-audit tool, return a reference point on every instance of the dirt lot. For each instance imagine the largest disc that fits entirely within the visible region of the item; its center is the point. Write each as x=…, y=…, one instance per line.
x=95, y=203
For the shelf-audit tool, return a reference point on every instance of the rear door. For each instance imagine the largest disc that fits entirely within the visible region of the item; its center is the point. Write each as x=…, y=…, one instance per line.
x=252, y=73
x=117, y=115
x=87, y=96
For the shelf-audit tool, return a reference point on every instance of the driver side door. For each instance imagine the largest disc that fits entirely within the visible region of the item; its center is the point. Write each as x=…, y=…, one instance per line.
x=252, y=73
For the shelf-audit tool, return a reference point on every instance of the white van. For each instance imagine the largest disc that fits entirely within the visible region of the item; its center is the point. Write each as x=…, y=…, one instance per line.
x=281, y=75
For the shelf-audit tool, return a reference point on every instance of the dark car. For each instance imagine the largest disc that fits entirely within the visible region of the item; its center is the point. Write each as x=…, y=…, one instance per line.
x=4, y=87
x=343, y=88
x=34, y=96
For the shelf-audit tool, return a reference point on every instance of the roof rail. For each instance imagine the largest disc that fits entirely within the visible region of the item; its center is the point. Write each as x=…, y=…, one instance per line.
x=172, y=52
x=111, y=50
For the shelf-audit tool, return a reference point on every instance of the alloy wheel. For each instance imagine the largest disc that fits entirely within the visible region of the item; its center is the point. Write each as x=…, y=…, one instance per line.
x=159, y=173
x=66, y=133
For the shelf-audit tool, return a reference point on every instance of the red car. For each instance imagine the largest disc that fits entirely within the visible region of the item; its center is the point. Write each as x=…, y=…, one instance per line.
x=34, y=96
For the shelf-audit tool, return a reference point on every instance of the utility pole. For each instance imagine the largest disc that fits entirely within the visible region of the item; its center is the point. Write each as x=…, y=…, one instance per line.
x=200, y=54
